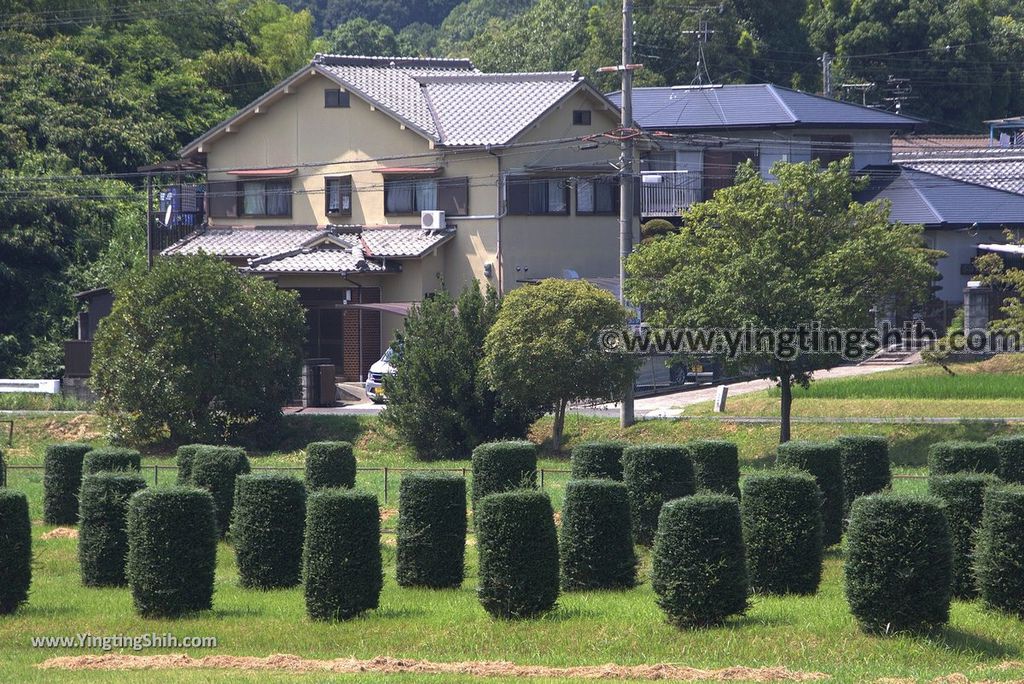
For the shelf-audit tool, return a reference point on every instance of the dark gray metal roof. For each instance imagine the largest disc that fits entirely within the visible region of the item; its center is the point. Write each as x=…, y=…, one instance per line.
x=937, y=201
x=759, y=105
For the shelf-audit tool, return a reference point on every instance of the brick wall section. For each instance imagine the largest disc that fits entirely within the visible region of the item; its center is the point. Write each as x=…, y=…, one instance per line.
x=355, y=369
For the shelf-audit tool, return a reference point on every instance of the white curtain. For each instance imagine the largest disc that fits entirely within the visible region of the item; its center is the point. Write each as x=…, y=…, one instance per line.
x=426, y=194
x=584, y=196
x=254, y=199
x=399, y=198
x=556, y=196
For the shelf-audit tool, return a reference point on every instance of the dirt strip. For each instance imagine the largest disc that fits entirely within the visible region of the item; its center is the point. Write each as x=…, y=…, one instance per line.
x=60, y=533
x=386, y=665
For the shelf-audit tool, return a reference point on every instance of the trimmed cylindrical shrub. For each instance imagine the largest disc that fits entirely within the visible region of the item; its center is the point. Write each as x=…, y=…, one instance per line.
x=503, y=466
x=431, y=533
x=341, y=558
x=172, y=551
x=654, y=474
x=62, y=478
x=963, y=496
x=330, y=464
x=214, y=468
x=698, y=571
x=1010, y=451
x=518, y=544
x=185, y=456
x=102, y=535
x=866, y=466
x=958, y=456
x=596, y=546
x=3, y=470
x=781, y=514
x=266, y=530
x=823, y=461
x=111, y=460
x=1000, y=550
x=899, y=563
x=15, y=550
x=598, y=460
x=716, y=466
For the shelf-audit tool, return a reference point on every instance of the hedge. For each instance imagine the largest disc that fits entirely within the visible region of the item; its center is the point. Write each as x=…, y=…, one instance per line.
x=716, y=466
x=963, y=496
x=3, y=470
x=1010, y=452
x=15, y=550
x=431, y=532
x=341, y=558
x=899, y=563
x=185, y=456
x=653, y=475
x=782, y=527
x=503, y=466
x=330, y=464
x=866, y=466
x=172, y=551
x=596, y=546
x=62, y=478
x=1000, y=550
x=111, y=459
x=597, y=460
x=102, y=537
x=518, y=545
x=214, y=468
x=267, y=528
x=958, y=456
x=698, y=571
x=824, y=462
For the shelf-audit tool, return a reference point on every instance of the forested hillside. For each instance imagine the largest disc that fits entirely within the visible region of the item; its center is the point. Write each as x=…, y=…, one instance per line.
x=91, y=89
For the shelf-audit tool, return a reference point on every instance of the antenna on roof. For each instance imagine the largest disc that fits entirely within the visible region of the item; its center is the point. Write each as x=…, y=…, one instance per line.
x=703, y=34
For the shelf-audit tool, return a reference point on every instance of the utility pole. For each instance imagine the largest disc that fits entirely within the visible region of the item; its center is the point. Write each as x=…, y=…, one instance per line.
x=626, y=175
x=826, y=74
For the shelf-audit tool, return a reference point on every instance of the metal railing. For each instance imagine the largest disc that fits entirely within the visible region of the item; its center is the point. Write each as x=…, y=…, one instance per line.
x=669, y=196
x=389, y=473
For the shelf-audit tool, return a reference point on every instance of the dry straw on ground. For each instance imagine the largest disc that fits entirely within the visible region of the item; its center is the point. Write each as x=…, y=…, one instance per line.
x=60, y=533
x=387, y=665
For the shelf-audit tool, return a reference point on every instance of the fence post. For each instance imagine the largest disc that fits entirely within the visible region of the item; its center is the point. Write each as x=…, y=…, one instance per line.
x=385, y=484
x=156, y=474
x=542, y=478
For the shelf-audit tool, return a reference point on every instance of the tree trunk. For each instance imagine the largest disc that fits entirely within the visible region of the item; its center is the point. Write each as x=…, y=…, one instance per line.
x=786, y=385
x=556, y=430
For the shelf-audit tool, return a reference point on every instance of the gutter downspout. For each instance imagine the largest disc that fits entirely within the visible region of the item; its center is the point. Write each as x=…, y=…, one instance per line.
x=502, y=206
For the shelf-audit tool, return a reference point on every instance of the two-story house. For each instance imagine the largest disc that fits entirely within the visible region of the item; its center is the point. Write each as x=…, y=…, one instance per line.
x=708, y=130
x=328, y=185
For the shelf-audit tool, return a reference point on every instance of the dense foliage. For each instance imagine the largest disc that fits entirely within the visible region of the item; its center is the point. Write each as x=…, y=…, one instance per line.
x=518, y=545
x=62, y=478
x=698, y=572
x=963, y=495
x=781, y=514
x=330, y=464
x=597, y=459
x=1000, y=549
x=866, y=466
x=172, y=551
x=823, y=461
x=961, y=456
x=596, y=546
x=431, y=531
x=168, y=359
x=102, y=535
x=185, y=456
x=716, y=466
x=111, y=459
x=15, y=550
x=503, y=466
x=267, y=528
x=216, y=469
x=654, y=474
x=438, y=399
x=898, y=563
x=1011, y=458
x=342, y=565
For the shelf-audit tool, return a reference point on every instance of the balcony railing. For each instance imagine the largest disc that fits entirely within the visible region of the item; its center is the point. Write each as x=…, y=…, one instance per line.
x=670, y=196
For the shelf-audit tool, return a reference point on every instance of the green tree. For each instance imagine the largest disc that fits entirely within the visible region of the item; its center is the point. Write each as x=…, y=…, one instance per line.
x=550, y=36
x=775, y=255
x=361, y=37
x=196, y=351
x=437, y=400
x=541, y=350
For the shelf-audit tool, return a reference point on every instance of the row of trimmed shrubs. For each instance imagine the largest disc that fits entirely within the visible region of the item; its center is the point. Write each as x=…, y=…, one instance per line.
x=1000, y=456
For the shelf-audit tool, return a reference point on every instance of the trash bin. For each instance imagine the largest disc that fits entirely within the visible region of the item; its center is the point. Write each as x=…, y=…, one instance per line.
x=312, y=386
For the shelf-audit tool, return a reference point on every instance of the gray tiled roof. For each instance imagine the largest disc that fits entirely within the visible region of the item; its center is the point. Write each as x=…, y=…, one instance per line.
x=315, y=260
x=402, y=242
x=937, y=201
x=754, y=105
x=998, y=168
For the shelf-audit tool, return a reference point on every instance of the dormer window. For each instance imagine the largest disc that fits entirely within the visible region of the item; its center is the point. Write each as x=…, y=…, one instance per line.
x=581, y=117
x=335, y=97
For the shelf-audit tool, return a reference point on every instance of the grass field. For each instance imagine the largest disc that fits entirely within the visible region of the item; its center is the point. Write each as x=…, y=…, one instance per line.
x=805, y=634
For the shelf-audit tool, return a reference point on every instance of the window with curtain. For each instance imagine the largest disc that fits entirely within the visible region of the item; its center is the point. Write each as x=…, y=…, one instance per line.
x=267, y=198
x=538, y=195
x=339, y=196
x=597, y=196
x=409, y=196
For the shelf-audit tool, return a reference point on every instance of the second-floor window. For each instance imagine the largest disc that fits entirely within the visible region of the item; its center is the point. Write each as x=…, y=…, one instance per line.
x=830, y=148
x=409, y=195
x=597, y=196
x=538, y=195
x=338, y=196
x=266, y=198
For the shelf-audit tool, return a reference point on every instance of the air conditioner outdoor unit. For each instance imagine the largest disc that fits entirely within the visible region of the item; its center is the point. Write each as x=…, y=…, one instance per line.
x=432, y=220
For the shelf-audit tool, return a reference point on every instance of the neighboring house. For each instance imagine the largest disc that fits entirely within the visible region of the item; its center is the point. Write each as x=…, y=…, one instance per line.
x=711, y=129
x=322, y=185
